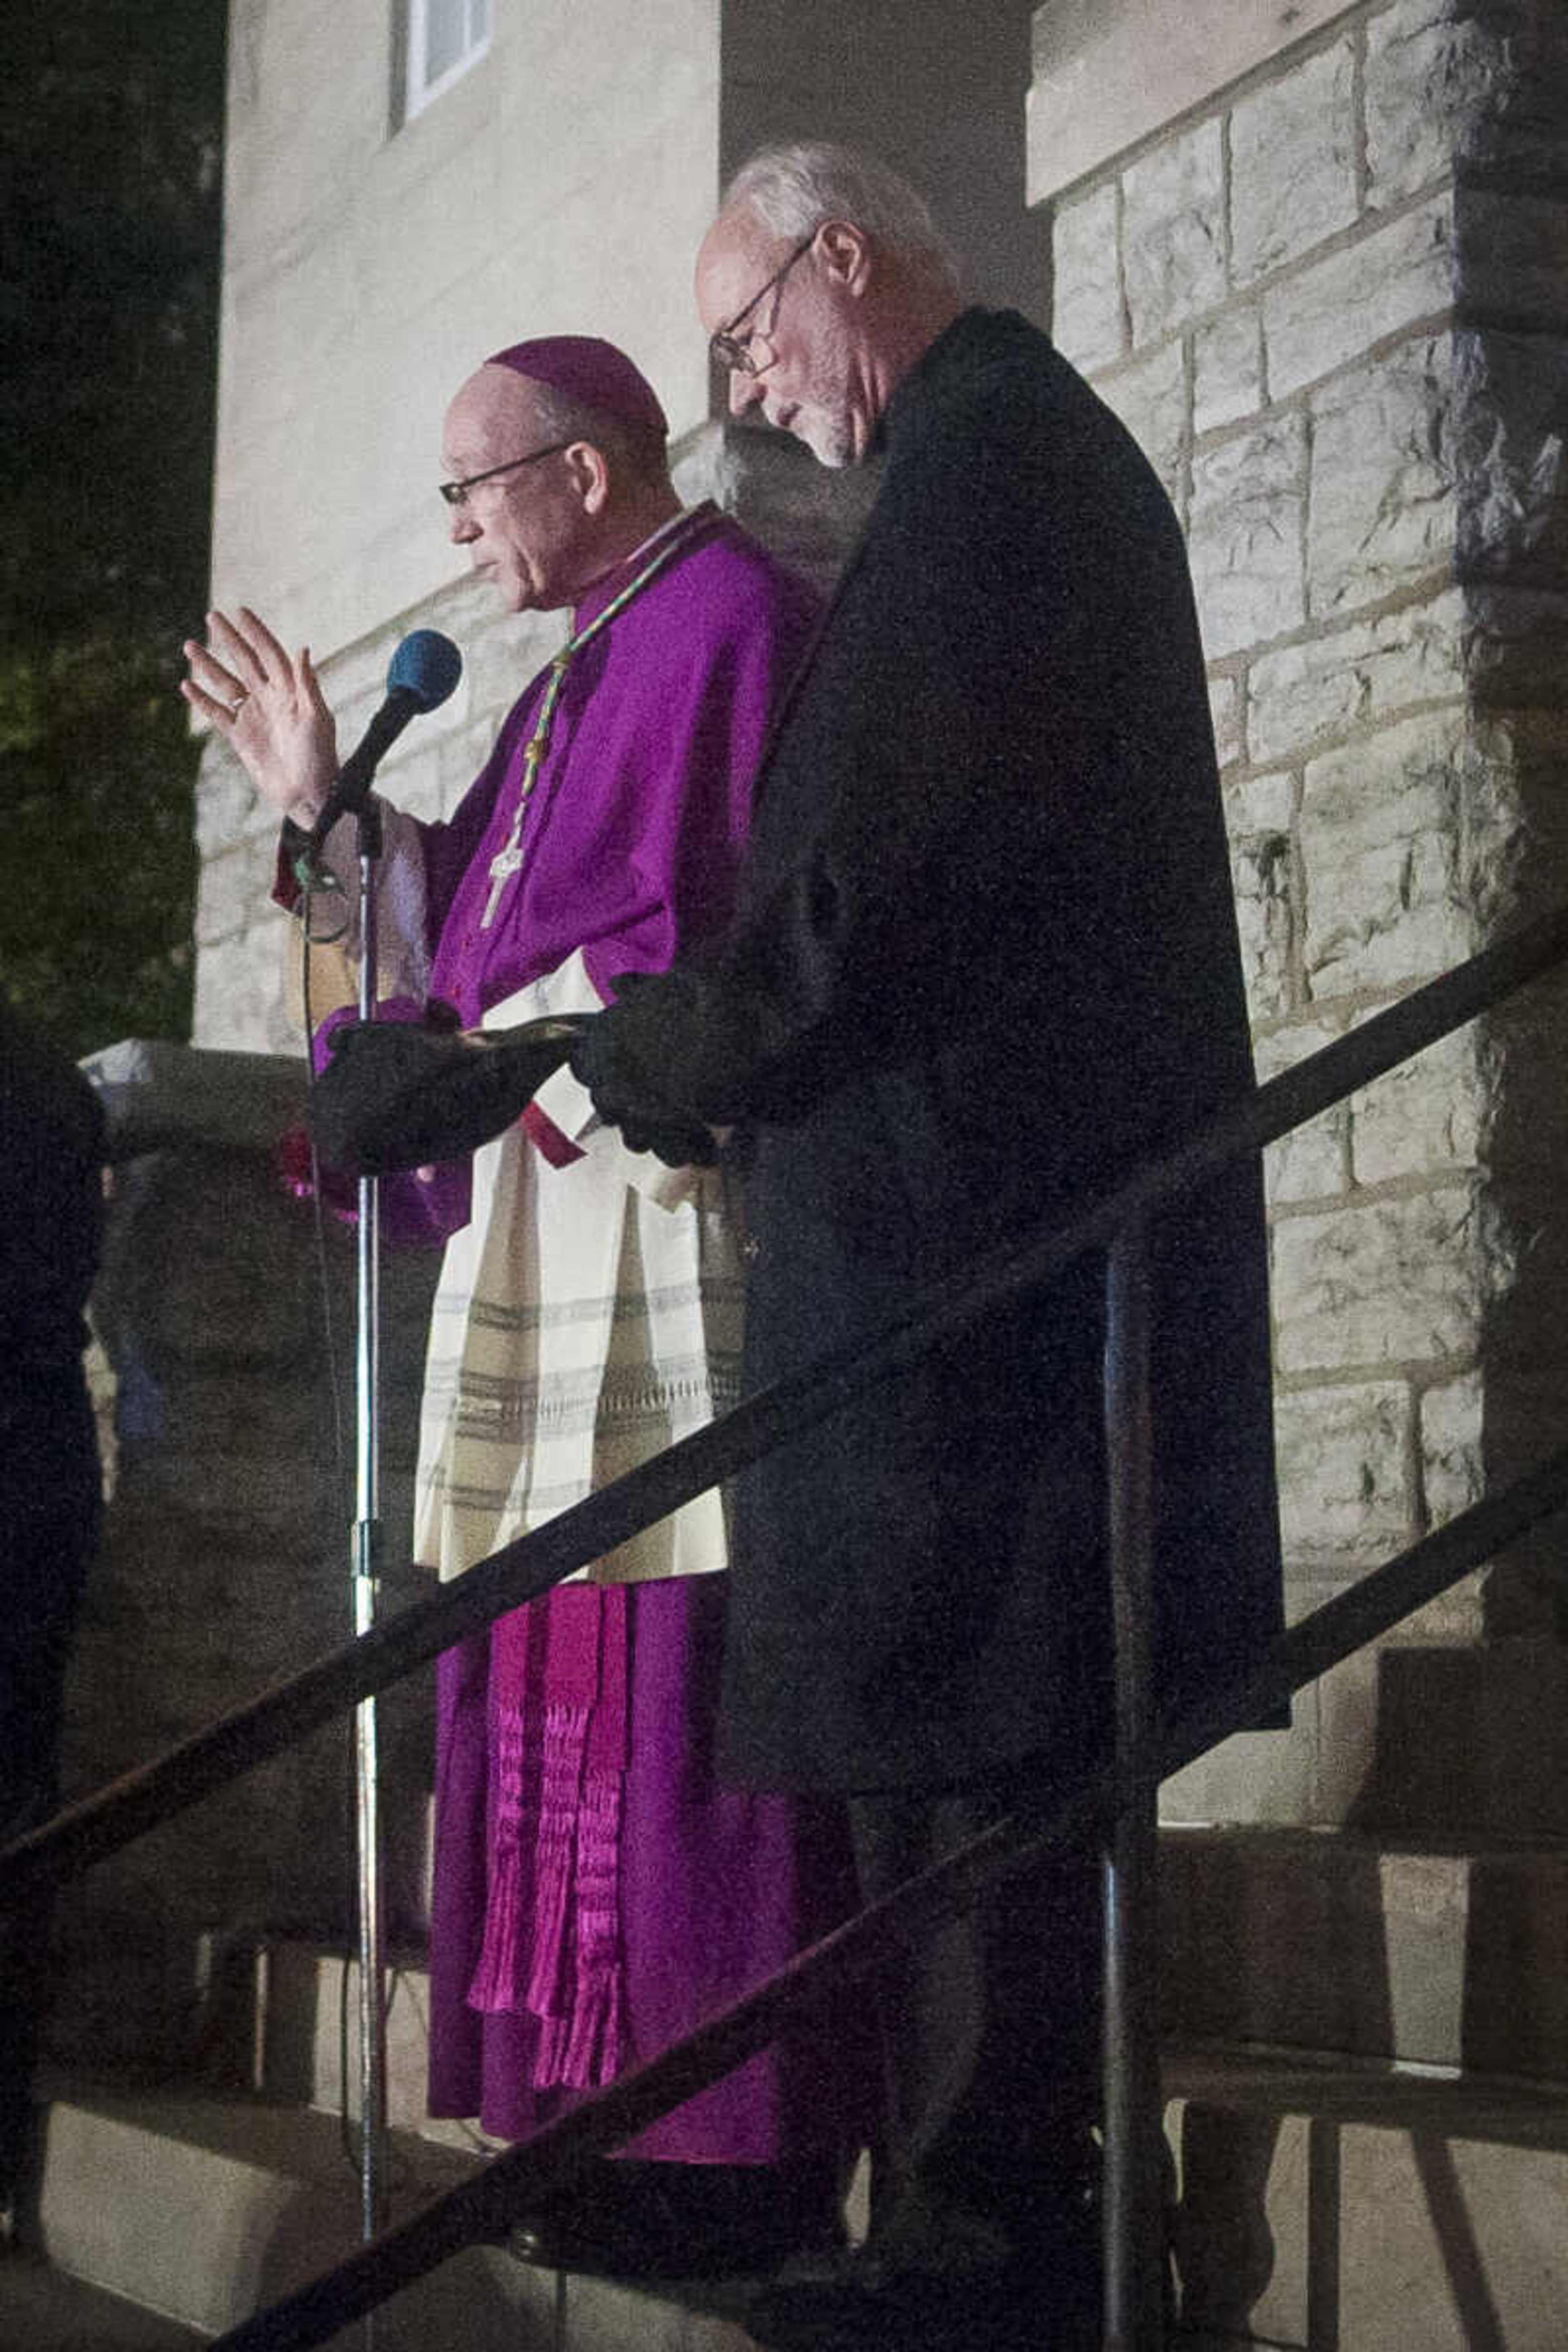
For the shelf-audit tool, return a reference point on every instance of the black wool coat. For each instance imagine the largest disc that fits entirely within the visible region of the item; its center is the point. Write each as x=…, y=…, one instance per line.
x=984, y=958
x=51, y=1208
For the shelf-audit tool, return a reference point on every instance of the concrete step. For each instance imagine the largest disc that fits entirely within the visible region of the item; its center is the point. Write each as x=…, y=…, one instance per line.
x=203, y=2210
x=1317, y=1939
x=43, y=2310
x=1327, y=2203
x=304, y=2036
x=1455, y=1736
x=1334, y=1939
x=1335, y=2204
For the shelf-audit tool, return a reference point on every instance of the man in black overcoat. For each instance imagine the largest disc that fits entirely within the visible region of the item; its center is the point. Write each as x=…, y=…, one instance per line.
x=985, y=959
x=51, y=1211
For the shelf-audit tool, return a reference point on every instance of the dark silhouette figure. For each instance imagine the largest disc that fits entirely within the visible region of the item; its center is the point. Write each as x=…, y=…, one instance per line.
x=51, y=1158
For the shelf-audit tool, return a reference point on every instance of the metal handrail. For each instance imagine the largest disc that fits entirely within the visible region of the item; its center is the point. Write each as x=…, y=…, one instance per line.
x=1131, y=2186
x=127, y=1809
x=1121, y=1797
x=523, y=2177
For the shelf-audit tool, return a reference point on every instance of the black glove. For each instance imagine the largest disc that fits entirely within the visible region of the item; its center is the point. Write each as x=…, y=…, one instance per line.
x=403, y=1093
x=672, y=1136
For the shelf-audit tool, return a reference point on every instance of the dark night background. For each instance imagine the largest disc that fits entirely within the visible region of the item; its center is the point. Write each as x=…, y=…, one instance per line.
x=111, y=139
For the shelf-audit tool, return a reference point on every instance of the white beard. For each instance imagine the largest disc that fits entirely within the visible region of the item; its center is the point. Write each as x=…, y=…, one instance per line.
x=827, y=439
x=823, y=419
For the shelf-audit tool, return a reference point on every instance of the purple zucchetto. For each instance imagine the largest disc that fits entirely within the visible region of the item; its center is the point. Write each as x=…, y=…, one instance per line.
x=586, y=368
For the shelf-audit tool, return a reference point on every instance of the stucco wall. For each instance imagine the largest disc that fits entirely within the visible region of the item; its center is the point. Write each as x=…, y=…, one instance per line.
x=565, y=183
x=560, y=185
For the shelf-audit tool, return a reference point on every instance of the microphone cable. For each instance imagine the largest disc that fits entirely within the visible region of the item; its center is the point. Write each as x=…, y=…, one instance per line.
x=308, y=876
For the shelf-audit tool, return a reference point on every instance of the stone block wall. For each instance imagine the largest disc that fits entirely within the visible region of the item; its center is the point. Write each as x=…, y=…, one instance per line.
x=226, y=1560
x=1331, y=302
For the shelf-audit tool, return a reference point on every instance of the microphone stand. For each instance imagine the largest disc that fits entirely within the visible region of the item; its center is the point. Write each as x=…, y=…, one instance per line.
x=423, y=672
x=365, y=1570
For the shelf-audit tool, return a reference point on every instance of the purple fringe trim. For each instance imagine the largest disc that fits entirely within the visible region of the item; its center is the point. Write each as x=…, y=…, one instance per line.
x=570, y=1977
x=594, y=2052
x=498, y=1979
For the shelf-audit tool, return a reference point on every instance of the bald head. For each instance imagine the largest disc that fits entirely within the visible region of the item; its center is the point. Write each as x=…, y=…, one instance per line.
x=568, y=495
x=493, y=403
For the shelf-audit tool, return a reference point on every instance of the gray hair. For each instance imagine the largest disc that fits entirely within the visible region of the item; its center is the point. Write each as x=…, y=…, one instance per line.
x=794, y=189
x=638, y=454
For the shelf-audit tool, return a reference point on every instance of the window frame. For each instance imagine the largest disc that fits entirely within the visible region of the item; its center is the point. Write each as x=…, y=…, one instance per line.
x=418, y=94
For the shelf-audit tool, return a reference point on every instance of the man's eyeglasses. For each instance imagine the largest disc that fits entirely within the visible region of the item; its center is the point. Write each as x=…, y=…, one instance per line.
x=457, y=493
x=733, y=352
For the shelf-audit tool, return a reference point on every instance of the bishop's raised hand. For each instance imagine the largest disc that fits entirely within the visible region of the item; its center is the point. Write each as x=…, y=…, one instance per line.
x=268, y=704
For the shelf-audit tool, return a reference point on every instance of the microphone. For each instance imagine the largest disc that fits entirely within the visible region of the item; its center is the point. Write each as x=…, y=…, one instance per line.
x=421, y=674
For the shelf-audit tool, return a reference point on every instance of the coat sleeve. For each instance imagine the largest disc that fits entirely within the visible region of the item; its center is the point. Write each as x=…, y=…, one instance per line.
x=1001, y=750
x=888, y=808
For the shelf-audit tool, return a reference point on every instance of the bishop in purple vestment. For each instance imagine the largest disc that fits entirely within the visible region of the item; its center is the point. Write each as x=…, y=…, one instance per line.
x=596, y=1890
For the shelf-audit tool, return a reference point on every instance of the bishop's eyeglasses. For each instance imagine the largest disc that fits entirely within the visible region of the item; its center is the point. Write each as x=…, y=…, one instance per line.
x=457, y=493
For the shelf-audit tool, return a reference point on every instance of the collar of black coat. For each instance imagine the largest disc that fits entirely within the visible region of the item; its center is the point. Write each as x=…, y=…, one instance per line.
x=964, y=342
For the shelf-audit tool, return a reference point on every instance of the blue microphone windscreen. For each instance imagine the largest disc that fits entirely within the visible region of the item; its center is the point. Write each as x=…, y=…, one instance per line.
x=427, y=666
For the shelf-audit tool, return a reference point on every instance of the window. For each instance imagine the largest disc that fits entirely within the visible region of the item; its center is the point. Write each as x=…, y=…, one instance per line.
x=442, y=39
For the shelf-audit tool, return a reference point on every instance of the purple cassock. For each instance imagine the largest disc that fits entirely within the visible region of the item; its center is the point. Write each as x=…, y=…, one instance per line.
x=627, y=850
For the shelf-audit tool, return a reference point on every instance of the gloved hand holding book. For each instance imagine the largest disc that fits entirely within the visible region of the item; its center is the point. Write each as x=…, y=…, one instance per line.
x=405, y=1094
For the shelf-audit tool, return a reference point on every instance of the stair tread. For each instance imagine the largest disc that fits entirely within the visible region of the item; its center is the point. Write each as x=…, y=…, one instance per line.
x=269, y=2135
x=48, y=2311
x=1330, y=1837
x=1391, y=2094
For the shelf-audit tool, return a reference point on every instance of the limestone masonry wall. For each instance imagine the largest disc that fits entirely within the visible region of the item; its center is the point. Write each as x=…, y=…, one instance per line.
x=1330, y=303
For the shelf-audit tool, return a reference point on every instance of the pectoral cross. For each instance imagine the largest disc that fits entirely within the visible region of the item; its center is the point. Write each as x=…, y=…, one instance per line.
x=505, y=862
x=503, y=866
